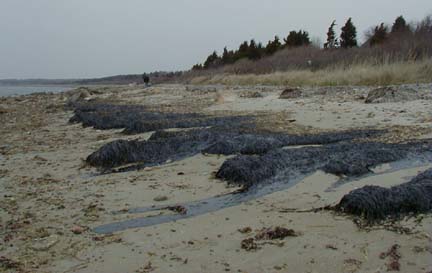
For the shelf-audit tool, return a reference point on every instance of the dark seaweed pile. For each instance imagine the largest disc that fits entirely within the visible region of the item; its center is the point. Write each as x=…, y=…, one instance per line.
x=163, y=146
x=182, y=121
x=345, y=158
x=138, y=119
x=377, y=203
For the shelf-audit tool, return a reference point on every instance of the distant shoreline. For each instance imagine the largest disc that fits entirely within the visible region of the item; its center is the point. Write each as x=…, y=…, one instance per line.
x=18, y=90
x=155, y=77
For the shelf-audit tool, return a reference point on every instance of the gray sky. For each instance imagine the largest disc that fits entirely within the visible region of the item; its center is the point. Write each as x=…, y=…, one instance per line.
x=92, y=38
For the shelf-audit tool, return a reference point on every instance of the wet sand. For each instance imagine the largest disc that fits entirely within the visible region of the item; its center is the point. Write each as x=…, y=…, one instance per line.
x=53, y=200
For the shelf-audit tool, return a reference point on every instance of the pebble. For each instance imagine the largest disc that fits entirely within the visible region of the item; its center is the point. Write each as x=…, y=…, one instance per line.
x=77, y=229
x=160, y=198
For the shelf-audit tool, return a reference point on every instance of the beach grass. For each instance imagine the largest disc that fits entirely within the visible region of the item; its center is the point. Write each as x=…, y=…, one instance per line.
x=365, y=73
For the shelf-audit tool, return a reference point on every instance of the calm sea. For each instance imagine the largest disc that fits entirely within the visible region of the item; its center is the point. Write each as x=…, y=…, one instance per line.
x=24, y=90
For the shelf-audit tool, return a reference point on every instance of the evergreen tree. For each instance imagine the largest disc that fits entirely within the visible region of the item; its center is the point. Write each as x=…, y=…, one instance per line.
x=348, y=36
x=304, y=38
x=212, y=60
x=253, y=51
x=268, y=48
x=276, y=43
x=291, y=40
x=261, y=49
x=296, y=39
x=332, y=42
x=197, y=67
x=242, y=52
x=227, y=56
x=273, y=46
x=379, y=35
x=400, y=26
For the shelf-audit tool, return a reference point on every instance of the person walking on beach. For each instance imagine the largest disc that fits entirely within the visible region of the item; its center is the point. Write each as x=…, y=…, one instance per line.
x=146, y=79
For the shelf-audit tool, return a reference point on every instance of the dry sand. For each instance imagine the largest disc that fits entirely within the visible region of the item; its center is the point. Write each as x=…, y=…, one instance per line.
x=48, y=194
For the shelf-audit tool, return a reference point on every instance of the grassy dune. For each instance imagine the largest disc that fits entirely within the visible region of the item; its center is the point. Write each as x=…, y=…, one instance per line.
x=358, y=74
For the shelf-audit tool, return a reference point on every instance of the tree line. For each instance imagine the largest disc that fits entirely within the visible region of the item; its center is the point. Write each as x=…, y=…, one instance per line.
x=347, y=39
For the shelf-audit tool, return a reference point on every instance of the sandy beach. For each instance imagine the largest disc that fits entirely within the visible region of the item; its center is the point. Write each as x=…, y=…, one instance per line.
x=52, y=200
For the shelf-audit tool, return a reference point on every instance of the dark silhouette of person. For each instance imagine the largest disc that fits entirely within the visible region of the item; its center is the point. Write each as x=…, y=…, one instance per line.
x=146, y=79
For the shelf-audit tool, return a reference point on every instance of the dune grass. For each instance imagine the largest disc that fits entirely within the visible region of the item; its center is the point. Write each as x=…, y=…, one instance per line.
x=357, y=74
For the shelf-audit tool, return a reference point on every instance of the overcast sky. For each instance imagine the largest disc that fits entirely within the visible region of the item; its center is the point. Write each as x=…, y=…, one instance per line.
x=92, y=38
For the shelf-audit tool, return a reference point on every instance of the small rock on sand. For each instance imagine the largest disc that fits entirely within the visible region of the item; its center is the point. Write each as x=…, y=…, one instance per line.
x=290, y=93
x=160, y=198
x=79, y=95
x=391, y=94
x=77, y=229
x=219, y=98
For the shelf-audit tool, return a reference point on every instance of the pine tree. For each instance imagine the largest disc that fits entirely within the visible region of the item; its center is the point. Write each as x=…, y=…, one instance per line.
x=291, y=40
x=400, y=26
x=253, y=51
x=332, y=42
x=268, y=48
x=348, y=36
x=273, y=46
x=296, y=39
x=226, y=58
x=379, y=36
x=242, y=52
x=304, y=38
x=276, y=43
x=261, y=49
x=212, y=60
x=197, y=67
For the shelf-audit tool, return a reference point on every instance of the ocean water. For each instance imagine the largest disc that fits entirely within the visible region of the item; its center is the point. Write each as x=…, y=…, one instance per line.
x=24, y=90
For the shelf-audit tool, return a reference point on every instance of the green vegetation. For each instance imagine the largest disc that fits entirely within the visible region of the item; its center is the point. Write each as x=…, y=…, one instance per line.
x=332, y=41
x=348, y=36
x=255, y=51
x=379, y=36
x=400, y=26
x=297, y=38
